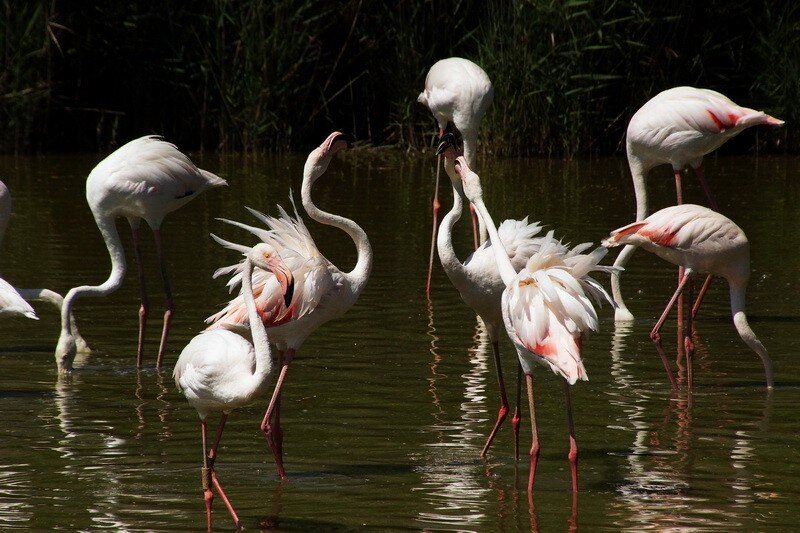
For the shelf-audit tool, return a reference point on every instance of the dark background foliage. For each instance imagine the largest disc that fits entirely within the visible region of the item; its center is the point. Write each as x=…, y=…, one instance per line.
x=279, y=75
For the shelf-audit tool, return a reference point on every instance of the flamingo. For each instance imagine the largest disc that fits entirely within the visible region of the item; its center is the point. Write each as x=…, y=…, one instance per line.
x=703, y=241
x=678, y=126
x=15, y=300
x=323, y=291
x=457, y=91
x=144, y=179
x=546, y=310
x=219, y=370
x=478, y=279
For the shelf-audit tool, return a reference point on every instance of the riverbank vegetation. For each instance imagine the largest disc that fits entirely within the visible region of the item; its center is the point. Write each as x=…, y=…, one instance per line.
x=279, y=75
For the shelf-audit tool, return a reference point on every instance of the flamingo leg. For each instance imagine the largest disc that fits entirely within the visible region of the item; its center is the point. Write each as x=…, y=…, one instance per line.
x=210, y=478
x=573, y=444
x=655, y=336
x=503, y=411
x=169, y=303
x=144, y=307
x=266, y=423
x=687, y=340
x=515, y=420
x=277, y=430
x=534, y=434
x=672, y=381
x=679, y=198
x=711, y=200
x=436, y=206
x=701, y=295
x=208, y=494
x=476, y=239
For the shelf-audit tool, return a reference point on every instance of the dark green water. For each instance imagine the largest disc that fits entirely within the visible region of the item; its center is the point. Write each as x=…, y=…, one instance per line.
x=386, y=409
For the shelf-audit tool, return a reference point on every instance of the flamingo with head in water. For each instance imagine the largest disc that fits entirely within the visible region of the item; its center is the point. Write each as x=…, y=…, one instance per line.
x=142, y=180
x=678, y=127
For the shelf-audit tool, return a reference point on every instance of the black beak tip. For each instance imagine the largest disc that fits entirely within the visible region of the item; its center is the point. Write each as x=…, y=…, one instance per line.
x=448, y=139
x=287, y=296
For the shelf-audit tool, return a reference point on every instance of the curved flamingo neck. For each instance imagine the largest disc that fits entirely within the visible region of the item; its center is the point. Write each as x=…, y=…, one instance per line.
x=507, y=271
x=257, y=329
x=117, y=254
x=444, y=241
x=360, y=273
x=639, y=170
x=470, y=147
x=737, y=291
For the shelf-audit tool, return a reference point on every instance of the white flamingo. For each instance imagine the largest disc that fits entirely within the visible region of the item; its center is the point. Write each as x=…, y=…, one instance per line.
x=219, y=370
x=322, y=292
x=547, y=311
x=678, y=127
x=144, y=179
x=457, y=91
x=478, y=279
x=10, y=296
x=702, y=241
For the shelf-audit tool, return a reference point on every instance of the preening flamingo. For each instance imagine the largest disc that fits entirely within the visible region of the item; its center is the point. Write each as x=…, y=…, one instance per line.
x=546, y=310
x=702, y=241
x=15, y=300
x=322, y=292
x=144, y=179
x=220, y=370
x=457, y=91
x=678, y=126
x=478, y=279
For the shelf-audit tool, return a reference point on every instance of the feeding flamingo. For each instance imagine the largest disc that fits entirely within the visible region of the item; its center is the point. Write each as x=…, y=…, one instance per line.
x=15, y=300
x=678, y=126
x=478, y=278
x=546, y=310
x=144, y=179
x=220, y=370
x=457, y=91
x=322, y=292
x=702, y=241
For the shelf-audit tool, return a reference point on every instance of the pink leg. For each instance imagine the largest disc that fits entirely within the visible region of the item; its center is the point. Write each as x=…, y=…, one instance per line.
x=266, y=423
x=475, y=232
x=169, y=304
x=656, y=336
x=208, y=494
x=436, y=206
x=225, y=500
x=503, y=411
x=660, y=349
x=534, y=434
x=573, y=445
x=687, y=340
x=711, y=200
x=515, y=420
x=210, y=475
x=679, y=198
x=144, y=307
x=703, y=290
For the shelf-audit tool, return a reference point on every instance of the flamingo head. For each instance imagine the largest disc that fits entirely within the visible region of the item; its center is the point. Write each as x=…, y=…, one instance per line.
x=470, y=181
x=265, y=256
x=320, y=157
x=448, y=147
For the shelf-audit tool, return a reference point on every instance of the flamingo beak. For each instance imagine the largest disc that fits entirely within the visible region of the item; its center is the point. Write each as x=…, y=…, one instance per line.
x=448, y=140
x=286, y=280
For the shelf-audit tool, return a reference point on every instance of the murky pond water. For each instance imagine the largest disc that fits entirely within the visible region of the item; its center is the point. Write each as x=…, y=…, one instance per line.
x=387, y=408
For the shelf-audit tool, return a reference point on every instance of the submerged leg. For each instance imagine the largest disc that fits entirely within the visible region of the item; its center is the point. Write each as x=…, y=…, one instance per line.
x=687, y=339
x=208, y=494
x=266, y=424
x=534, y=434
x=169, y=303
x=436, y=206
x=573, y=445
x=214, y=479
x=503, y=411
x=656, y=336
x=144, y=307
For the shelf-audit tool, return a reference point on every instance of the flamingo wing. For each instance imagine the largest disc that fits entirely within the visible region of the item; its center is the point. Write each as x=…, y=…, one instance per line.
x=12, y=303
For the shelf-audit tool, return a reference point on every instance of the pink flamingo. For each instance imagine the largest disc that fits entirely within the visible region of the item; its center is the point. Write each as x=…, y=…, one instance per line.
x=478, y=279
x=144, y=179
x=457, y=91
x=703, y=241
x=323, y=292
x=219, y=370
x=678, y=126
x=547, y=311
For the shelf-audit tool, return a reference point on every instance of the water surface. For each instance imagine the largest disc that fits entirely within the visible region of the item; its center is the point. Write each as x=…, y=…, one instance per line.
x=386, y=409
